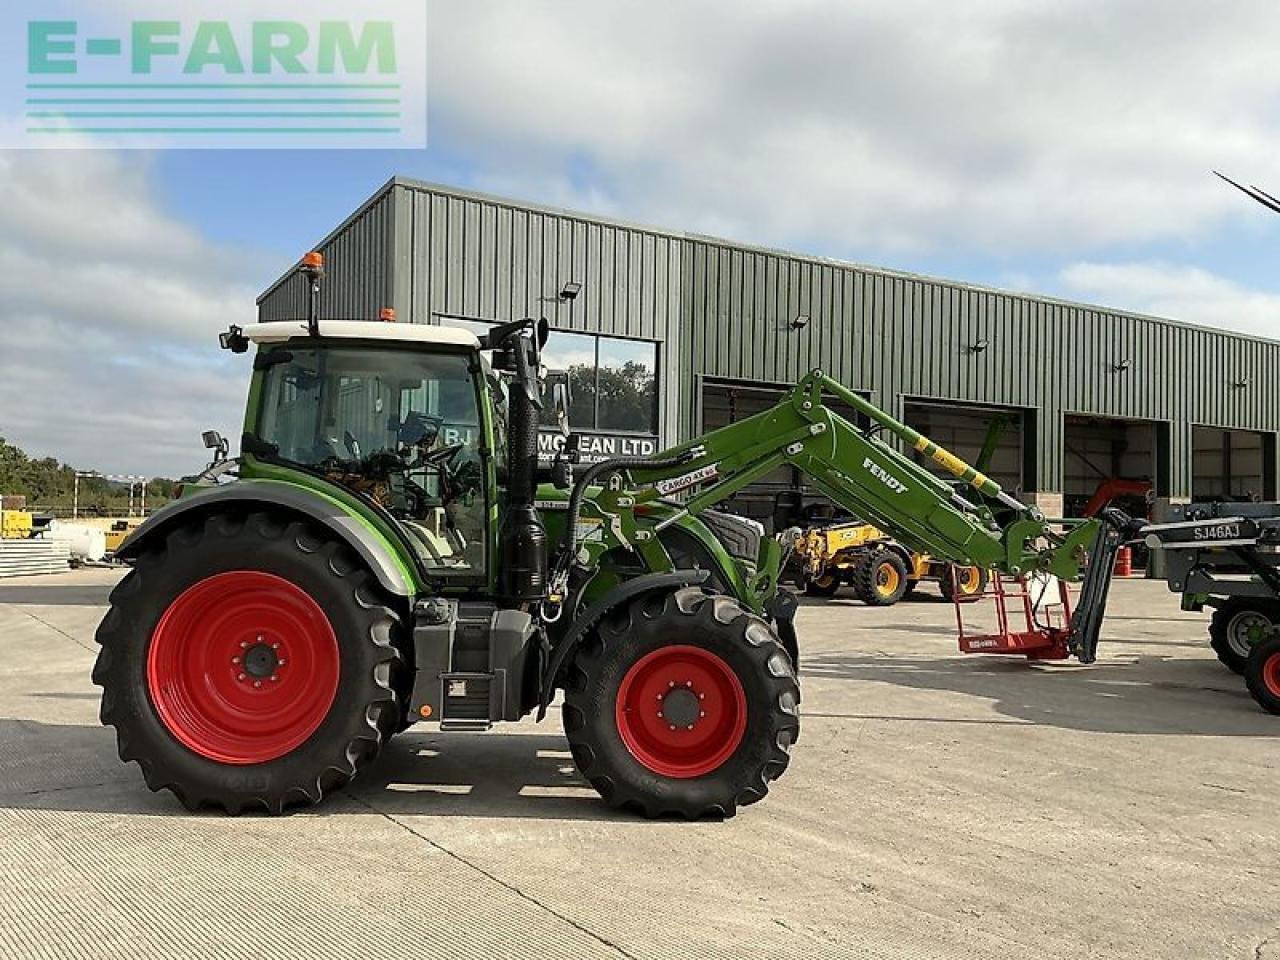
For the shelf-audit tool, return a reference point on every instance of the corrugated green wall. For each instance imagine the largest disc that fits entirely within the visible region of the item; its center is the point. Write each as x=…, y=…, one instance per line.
x=726, y=310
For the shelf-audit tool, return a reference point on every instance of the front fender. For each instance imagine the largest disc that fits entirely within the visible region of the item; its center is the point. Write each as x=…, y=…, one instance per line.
x=623, y=593
x=378, y=554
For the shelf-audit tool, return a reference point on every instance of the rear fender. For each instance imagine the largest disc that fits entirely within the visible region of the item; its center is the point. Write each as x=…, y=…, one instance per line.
x=373, y=548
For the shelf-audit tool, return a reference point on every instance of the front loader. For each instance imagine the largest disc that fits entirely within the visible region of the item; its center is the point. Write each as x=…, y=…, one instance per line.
x=388, y=550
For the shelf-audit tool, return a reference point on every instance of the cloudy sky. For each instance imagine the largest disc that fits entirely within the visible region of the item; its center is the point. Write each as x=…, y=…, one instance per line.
x=1063, y=149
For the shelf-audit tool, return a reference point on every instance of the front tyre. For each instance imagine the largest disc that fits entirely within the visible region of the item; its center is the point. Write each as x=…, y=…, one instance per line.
x=1262, y=674
x=880, y=580
x=682, y=704
x=963, y=583
x=248, y=663
x=1236, y=628
x=823, y=586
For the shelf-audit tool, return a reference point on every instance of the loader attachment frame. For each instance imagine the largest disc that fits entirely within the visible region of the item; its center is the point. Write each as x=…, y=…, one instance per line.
x=866, y=475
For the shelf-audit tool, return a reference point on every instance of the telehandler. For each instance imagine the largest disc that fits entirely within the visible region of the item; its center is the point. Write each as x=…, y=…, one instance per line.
x=390, y=552
x=880, y=570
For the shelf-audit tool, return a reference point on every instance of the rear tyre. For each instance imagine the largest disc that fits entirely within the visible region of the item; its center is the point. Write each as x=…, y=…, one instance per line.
x=249, y=663
x=963, y=582
x=1236, y=628
x=880, y=580
x=1262, y=674
x=823, y=587
x=682, y=704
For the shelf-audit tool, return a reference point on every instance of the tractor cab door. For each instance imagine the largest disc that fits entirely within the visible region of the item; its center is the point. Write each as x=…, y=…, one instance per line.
x=400, y=427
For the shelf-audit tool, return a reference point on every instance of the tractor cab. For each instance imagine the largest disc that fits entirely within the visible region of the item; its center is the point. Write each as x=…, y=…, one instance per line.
x=404, y=416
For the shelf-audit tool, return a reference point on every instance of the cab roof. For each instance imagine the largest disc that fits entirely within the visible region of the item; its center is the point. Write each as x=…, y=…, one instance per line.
x=277, y=331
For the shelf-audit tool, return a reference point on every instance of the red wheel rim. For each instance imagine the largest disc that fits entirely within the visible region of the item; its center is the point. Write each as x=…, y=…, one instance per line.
x=1271, y=674
x=243, y=667
x=681, y=711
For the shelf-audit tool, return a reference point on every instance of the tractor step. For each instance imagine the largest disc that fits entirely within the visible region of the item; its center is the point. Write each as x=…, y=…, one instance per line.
x=470, y=659
x=466, y=704
x=465, y=726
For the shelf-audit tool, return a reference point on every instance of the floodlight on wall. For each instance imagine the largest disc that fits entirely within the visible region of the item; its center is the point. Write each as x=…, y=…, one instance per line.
x=1123, y=366
x=799, y=321
x=570, y=291
x=1241, y=383
x=979, y=345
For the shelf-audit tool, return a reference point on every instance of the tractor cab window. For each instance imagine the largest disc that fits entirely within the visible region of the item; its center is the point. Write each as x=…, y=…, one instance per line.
x=399, y=427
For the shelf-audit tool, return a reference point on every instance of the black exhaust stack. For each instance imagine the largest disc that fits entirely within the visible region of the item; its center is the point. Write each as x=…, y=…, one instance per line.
x=522, y=542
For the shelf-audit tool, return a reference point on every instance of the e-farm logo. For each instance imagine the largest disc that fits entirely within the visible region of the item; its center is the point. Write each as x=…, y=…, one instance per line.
x=326, y=81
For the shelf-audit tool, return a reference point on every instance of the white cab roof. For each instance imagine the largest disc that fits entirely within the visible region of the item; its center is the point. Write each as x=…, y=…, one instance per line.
x=280, y=330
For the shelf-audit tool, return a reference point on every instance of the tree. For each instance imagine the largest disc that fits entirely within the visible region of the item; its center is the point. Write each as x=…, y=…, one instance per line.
x=49, y=484
x=626, y=398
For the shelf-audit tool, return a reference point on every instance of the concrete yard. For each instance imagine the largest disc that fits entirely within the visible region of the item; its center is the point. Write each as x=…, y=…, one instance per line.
x=936, y=806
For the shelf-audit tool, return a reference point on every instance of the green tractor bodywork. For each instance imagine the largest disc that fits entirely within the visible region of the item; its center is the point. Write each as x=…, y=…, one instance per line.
x=399, y=464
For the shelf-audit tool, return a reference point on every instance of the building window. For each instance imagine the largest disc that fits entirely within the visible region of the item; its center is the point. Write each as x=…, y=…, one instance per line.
x=614, y=381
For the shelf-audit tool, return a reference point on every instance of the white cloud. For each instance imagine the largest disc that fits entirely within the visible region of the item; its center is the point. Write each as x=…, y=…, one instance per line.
x=1180, y=292
x=110, y=310
x=1011, y=126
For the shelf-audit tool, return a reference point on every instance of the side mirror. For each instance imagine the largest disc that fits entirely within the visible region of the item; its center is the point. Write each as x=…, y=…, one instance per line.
x=560, y=400
x=216, y=442
x=213, y=440
x=351, y=443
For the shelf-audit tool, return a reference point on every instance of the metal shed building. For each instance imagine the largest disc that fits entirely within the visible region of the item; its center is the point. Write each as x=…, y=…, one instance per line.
x=673, y=333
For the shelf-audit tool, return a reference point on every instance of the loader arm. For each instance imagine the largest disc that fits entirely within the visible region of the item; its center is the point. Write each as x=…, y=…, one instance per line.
x=871, y=479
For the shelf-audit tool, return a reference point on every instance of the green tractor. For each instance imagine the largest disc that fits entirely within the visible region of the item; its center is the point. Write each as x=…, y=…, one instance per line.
x=391, y=551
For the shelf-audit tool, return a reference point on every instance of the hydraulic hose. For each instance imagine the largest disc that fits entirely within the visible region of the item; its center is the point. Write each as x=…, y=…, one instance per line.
x=568, y=542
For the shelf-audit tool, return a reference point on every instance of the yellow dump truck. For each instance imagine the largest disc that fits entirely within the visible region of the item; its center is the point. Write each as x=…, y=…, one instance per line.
x=880, y=570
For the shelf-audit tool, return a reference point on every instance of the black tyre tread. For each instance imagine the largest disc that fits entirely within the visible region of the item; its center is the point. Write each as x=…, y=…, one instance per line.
x=812, y=588
x=1253, y=674
x=614, y=774
x=1219, y=639
x=345, y=758
x=947, y=588
x=864, y=578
